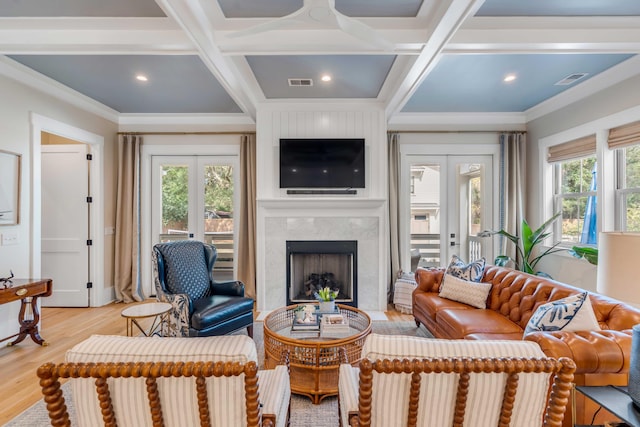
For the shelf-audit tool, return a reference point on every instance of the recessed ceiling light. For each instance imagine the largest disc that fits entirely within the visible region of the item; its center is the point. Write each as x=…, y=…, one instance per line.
x=142, y=78
x=509, y=78
x=326, y=78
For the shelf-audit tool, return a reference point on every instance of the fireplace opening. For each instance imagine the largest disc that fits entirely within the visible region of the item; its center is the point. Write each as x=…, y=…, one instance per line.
x=312, y=265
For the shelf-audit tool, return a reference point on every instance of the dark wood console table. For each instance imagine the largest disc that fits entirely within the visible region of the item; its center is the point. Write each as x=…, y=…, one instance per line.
x=28, y=291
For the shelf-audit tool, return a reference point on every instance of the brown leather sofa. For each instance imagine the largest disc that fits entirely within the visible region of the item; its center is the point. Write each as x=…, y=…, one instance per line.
x=602, y=357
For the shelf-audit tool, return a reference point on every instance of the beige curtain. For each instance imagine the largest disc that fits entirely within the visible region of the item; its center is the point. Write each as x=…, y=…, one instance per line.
x=247, y=225
x=127, y=238
x=394, y=159
x=512, y=188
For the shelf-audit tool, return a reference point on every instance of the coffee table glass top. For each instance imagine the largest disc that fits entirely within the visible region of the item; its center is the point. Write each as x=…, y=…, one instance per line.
x=281, y=320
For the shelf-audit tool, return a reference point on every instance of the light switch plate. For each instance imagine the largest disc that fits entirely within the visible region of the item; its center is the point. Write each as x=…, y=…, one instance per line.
x=9, y=238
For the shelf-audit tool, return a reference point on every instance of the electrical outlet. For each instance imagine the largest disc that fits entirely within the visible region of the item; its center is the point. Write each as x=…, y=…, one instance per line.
x=9, y=238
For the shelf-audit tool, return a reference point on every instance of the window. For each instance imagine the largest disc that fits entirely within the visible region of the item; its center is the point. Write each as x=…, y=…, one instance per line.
x=574, y=190
x=628, y=187
x=626, y=140
x=575, y=197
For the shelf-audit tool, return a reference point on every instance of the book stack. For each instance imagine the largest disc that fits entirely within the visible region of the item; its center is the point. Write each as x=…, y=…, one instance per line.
x=334, y=326
x=307, y=327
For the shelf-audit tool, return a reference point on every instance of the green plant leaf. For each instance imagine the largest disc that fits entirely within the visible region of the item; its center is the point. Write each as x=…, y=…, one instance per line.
x=502, y=260
x=527, y=241
x=587, y=252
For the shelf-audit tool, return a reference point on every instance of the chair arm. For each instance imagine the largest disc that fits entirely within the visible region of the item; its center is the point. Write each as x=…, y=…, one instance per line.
x=275, y=394
x=606, y=351
x=233, y=289
x=348, y=383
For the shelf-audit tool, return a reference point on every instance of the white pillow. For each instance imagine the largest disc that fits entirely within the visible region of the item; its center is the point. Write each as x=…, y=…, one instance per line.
x=465, y=291
x=573, y=313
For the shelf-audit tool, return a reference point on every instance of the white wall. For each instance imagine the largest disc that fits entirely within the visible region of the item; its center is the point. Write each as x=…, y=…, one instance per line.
x=598, y=112
x=16, y=105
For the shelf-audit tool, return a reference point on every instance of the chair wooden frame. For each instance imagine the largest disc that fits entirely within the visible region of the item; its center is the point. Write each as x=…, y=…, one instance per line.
x=562, y=370
x=50, y=375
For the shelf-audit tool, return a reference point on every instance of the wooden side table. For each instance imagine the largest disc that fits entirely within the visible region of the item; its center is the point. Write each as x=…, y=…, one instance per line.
x=159, y=311
x=27, y=291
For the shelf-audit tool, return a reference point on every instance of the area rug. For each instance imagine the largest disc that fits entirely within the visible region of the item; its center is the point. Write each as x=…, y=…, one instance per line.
x=303, y=412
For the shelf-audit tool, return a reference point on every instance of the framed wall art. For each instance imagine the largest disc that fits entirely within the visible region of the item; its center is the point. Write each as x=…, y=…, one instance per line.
x=9, y=188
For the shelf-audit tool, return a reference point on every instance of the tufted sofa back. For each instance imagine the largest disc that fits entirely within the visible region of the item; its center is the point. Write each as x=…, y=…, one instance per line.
x=517, y=295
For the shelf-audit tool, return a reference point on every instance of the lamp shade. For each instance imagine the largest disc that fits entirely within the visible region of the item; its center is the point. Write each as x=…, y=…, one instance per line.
x=619, y=266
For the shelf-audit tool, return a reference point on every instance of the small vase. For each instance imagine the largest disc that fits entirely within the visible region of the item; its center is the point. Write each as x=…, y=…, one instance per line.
x=327, y=306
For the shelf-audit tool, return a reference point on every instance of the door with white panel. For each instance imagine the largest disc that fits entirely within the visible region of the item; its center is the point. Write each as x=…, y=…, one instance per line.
x=445, y=202
x=65, y=224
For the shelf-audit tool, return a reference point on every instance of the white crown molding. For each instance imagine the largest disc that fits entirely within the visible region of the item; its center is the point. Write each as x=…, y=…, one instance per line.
x=25, y=75
x=493, y=121
x=186, y=119
x=602, y=81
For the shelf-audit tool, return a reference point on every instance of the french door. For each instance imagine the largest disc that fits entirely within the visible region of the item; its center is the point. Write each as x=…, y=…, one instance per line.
x=195, y=197
x=445, y=201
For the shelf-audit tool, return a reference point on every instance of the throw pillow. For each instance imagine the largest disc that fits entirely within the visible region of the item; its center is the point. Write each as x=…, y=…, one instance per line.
x=472, y=293
x=472, y=271
x=573, y=313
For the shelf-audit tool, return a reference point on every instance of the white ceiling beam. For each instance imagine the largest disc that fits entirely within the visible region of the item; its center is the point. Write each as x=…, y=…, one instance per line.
x=320, y=41
x=558, y=35
x=446, y=19
x=548, y=34
x=93, y=36
x=194, y=21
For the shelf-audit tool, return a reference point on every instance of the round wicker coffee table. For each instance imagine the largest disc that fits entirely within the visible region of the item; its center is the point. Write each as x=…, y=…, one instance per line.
x=314, y=360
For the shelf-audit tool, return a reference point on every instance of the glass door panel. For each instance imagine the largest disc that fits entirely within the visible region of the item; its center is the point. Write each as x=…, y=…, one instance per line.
x=445, y=202
x=193, y=197
x=175, y=202
x=218, y=196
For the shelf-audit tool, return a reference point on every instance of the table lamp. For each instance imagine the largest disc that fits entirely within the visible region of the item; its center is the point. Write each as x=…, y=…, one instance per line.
x=618, y=261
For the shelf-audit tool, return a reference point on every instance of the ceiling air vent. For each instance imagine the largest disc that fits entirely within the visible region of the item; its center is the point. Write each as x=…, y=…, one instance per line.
x=571, y=78
x=300, y=82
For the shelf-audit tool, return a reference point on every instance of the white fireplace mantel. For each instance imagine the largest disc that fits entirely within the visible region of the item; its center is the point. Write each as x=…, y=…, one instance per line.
x=321, y=203
x=322, y=218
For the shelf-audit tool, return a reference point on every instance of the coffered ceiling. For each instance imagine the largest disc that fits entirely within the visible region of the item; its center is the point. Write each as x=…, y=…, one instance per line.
x=421, y=59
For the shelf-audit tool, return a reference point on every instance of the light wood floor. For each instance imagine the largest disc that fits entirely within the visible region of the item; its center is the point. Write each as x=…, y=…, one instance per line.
x=62, y=328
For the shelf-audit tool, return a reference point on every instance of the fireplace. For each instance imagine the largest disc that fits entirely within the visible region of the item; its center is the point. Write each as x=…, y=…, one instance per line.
x=316, y=264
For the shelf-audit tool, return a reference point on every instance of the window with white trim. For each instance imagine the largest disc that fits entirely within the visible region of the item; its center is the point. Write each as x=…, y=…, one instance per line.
x=626, y=141
x=574, y=190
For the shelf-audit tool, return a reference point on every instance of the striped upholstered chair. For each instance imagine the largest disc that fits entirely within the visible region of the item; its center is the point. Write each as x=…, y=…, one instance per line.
x=173, y=382
x=408, y=381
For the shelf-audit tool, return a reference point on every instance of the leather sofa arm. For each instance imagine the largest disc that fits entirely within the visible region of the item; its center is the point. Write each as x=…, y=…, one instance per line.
x=429, y=280
x=233, y=289
x=606, y=351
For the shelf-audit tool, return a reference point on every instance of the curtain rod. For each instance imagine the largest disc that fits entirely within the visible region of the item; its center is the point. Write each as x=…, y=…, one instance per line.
x=456, y=131
x=188, y=133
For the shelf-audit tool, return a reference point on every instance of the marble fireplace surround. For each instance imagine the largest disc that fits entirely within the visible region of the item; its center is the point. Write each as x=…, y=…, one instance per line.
x=360, y=220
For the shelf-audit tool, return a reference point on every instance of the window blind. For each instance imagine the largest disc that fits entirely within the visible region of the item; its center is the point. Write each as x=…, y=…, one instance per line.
x=577, y=148
x=625, y=135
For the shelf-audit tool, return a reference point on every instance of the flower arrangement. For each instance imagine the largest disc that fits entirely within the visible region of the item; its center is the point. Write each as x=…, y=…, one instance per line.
x=326, y=294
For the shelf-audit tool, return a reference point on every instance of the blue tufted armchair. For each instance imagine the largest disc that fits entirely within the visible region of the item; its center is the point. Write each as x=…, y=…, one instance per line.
x=183, y=275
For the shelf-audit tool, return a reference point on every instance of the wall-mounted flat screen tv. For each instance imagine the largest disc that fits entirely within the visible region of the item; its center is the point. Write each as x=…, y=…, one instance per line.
x=322, y=163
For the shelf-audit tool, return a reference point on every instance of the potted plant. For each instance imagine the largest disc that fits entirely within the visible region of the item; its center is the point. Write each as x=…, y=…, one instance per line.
x=527, y=258
x=299, y=313
x=327, y=298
